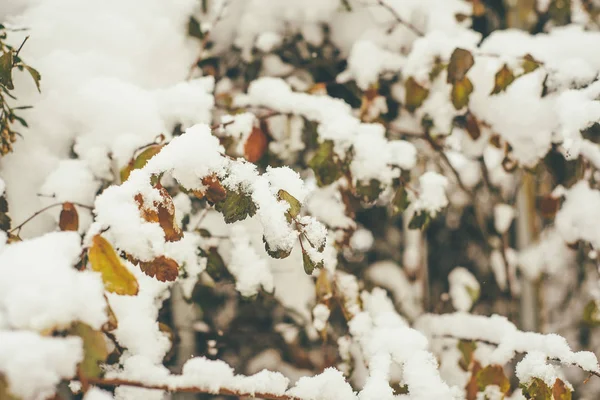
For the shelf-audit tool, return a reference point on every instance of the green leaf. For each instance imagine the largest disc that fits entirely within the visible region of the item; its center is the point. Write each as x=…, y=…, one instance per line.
x=420, y=220
x=537, y=389
x=415, y=94
x=94, y=350
x=466, y=348
x=35, y=75
x=140, y=161
x=460, y=93
x=591, y=313
x=368, y=192
x=473, y=293
x=194, y=29
x=116, y=277
x=6, y=65
x=559, y=12
x=236, y=207
x=400, y=202
x=309, y=264
x=529, y=64
x=295, y=205
x=493, y=375
x=5, y=220
x=504, y=77
x=325, y=165
x=277, y=253
x=215, y=266
x=460, y=63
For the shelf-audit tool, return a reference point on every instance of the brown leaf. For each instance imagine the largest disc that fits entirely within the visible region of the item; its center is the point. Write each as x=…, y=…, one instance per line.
x=162, y=268
x=460, y=93
x=548, y=206
x=162, y=212
x=415, y=94
x=472, y=126
x=116, y=277
x=560, y=391
x=69, y=218
x=460, y=63
x=256, y=145
x=472, y=387
x=214, y=191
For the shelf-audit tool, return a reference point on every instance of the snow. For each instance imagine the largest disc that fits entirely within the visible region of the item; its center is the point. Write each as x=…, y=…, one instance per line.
x=575, y=219
x=34, y=364
x=320, y=316
x=463, y=287
x=328, y=385
x=432, y=194
x=503, y=217
x=367, y=61
x=251, y=271
x=43, y=304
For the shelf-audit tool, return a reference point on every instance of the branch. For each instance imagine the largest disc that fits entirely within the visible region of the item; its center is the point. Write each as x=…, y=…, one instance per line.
x=108, y=383
x=38, y=212
x=399, y=18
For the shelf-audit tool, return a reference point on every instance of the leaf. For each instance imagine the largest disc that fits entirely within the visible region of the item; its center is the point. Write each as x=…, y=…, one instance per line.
x=460, y=93
x=529, y=64
x=214, y=191
x=537, y=389
x=415, y=94
x=466, y=348
x=162, y=268
x=194, y=29
x=255, y=145
x=504, y=77
x=35, y=75
x=215, y=266
x=400, y=202
x=368, y=192
x=472, y=126
x=112, y=322
x=560, y=391
x=591, y=313
x=140, y=161
x=94, y=350
x=460, y=63
x=548, y=206
x=116, y=277
x=437, y=69
x=420, y=220
x=323, y=288
x=236, y=207
x=69, y=218
x=559, y=12
x=5, y=220
x=277, y=253
x=6, y=65
x=309, y=264
x=493, y=375
x=162, y=212
x=295, y=205
x=473, y=293
x=472, y=388
x=324, y=164
x=5, y=389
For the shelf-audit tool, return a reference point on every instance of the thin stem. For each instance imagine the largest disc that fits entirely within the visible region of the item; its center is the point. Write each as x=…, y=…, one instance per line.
x=21, y=46
x=187, y=389
x=399, y=19
x=38, y=212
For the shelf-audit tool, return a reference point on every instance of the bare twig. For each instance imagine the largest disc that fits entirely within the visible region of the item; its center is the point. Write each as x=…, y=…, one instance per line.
x=38, y=212
x=399, y=19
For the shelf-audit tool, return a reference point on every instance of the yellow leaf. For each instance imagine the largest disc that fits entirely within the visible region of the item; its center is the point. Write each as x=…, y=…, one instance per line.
x=460, y=93
x=140, y=161
x=415, y=94
x=493, y=375
x=503, y=79
x=116, y=277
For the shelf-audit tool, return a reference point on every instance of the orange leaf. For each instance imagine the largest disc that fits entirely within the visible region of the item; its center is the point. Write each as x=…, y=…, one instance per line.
x=256, y=145
x=162, y=268
x=214, y=191
x=162, y=212
x=69, y=219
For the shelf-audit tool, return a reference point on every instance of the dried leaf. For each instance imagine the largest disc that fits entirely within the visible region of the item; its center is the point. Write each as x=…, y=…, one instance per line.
x=548, y=206
x=493, y=375
x=116, y=277
x=504, y=77
x=460, y=93
x=325, y=164
x=529, y=64
x=162, y=268
x=162, y=212
x=214, y=191
x=472, y=388
x=94, y=350
x=415, y=94
x=69, y=218
x=255, y=145
x=460, y=63
x=295, y=205
x=5, y=389
x=35, y=75
x=537, y=389
x=472, y=126
x=560, y=391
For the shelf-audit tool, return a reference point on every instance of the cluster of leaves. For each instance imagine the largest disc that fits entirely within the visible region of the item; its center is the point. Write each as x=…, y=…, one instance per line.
x=9, y=61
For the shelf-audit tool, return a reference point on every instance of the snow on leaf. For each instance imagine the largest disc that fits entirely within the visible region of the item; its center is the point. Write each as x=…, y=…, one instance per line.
x=116, y=277
x=236, y=206
x=537, y=389
x=295, y=205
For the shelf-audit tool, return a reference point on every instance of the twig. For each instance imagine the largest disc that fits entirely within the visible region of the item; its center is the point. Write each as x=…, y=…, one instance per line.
x=187, y=389
x=440, y=150
x=38, y=212
x=399, y=18
x=21, y=46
